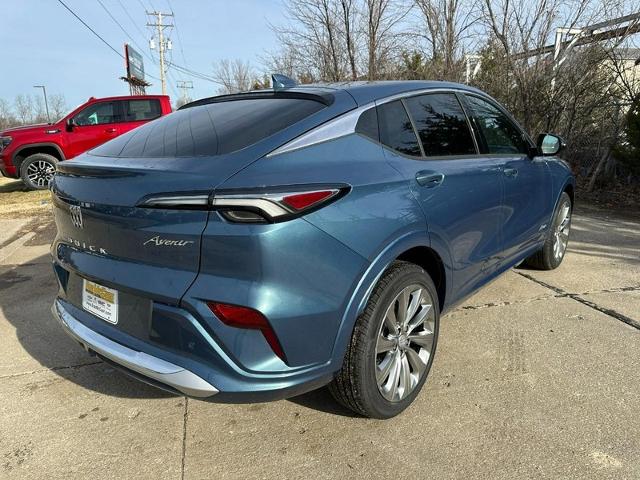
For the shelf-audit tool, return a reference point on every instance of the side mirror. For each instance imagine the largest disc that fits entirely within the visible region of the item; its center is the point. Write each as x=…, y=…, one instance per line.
x=549, y=144
x=70, y=124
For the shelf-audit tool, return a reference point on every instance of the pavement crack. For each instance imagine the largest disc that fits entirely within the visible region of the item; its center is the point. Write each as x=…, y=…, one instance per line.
x=559, y=291
x=53, y=369
x=574, y=296
x=607, y=311
x=184, y=436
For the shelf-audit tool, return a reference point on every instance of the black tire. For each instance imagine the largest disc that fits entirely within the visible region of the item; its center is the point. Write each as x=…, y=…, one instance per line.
x=546, y=258
x=37, y=170
x=355, y=386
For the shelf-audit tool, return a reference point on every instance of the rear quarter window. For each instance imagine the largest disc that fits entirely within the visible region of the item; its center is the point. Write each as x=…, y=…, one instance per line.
x=212, y=129
x=396, y=131
x=140, y=110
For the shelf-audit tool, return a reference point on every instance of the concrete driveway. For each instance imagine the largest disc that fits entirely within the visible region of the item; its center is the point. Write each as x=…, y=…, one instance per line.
x=537, y=376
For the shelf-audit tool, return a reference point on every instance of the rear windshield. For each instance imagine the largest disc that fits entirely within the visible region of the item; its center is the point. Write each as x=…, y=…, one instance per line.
x=211, y=129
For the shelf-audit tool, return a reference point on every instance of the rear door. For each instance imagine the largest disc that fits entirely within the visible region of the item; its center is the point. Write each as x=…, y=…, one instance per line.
x=526, y=179
x=95, y=124
x=461, y=193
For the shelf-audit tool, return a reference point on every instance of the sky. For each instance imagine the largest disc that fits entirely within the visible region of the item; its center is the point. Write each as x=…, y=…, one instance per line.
x=43, y=44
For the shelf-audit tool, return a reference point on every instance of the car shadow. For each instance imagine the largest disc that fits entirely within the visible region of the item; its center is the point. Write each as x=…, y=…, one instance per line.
x=322, y=401
x=596, y=232
x=16, y=186
x=26, y=295
x=27, y=291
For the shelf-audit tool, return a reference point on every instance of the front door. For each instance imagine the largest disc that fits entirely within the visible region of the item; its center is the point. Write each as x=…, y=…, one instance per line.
x=460, y=192
x=526, y=179
x=94, y=125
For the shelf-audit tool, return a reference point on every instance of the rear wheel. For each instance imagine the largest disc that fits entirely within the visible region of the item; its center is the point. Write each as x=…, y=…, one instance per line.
x=551, y=254
x=392, y=346
x=37, y=170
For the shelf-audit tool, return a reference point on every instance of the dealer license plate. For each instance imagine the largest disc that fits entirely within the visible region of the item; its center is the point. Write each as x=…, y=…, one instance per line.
x=100, y=300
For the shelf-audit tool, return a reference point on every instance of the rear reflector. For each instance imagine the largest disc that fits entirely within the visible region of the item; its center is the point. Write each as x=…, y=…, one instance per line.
x=243, y=317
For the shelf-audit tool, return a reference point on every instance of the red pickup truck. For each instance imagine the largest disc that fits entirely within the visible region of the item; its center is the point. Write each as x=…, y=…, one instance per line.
x=31, y=152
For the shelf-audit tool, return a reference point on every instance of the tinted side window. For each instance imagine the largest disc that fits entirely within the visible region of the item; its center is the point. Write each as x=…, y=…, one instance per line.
x=211, y=129
x=501, y=135
x=441, y=124
x=99, y=113
x=396, y=131
x=368, y=124
x=139, y=110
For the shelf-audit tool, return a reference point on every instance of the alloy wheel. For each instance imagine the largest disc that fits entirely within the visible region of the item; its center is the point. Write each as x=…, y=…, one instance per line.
x=40, y=173
x=561, y=232
x=405, y=343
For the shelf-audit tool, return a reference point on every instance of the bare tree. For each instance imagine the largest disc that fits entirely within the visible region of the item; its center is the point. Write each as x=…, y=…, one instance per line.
x=382, y=40
x=7, y=118
x=24, y=108
x=57, y=106
x=449, y=24
x=234, y=76
x=349, y=25
x=313, y=38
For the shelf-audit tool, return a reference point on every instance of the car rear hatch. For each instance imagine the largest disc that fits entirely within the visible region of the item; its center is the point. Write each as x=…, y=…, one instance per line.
x=106, y=231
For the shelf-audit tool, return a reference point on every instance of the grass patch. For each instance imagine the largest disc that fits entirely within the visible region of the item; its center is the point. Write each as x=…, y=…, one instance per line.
x=18, y=202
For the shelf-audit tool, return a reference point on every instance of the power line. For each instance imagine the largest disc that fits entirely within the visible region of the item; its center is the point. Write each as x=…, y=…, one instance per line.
x=118, y=24
x=142, y=34
x=193, y=73
x=162, y=44
x=91, y=29
x=126, y=34
x=184, y=86
x=184, y=59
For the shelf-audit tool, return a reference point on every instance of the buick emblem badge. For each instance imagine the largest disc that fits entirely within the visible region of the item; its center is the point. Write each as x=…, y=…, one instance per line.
x=76, y=216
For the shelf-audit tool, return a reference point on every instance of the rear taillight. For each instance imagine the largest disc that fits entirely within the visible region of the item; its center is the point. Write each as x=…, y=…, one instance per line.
x=271, y=207
x=243, y=317
x=267, y=207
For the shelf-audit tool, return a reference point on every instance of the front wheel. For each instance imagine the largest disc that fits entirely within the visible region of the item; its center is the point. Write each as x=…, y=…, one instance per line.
x=551, y=254
x=37, y=170
x=392, y=345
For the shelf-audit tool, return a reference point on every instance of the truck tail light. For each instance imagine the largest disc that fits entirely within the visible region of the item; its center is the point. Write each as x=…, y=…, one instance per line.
x=243, y=317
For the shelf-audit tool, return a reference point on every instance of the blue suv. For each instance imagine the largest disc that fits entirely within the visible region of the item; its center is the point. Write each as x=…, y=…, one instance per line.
x=256, y=246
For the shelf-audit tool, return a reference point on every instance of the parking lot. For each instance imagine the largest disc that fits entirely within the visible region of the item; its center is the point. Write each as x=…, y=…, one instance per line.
x=536, y=376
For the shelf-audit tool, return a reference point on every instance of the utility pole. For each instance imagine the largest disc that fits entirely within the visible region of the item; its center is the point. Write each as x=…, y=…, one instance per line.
x=46, y=104
x=162, y=44
x=184, y=85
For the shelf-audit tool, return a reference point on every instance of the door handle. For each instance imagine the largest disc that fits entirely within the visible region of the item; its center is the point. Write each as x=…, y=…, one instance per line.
x=429, y=179
x=510, y=172
x=110, y=130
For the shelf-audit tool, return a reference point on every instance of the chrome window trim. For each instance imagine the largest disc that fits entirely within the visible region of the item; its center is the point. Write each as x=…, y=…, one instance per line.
x=345, y=124
x=337, y=127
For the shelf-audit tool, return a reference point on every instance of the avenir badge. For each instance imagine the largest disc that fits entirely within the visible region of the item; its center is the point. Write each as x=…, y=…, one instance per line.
x=165, y=242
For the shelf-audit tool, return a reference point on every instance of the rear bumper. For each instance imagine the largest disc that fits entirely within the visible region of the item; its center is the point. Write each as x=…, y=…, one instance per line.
x=141, y=363
x=177, y=372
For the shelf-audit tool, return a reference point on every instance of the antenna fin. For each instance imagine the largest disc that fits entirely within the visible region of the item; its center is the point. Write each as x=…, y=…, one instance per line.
x=280, y=82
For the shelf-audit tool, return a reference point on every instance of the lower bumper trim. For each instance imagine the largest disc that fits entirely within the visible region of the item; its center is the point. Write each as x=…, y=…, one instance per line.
x=149, y=366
